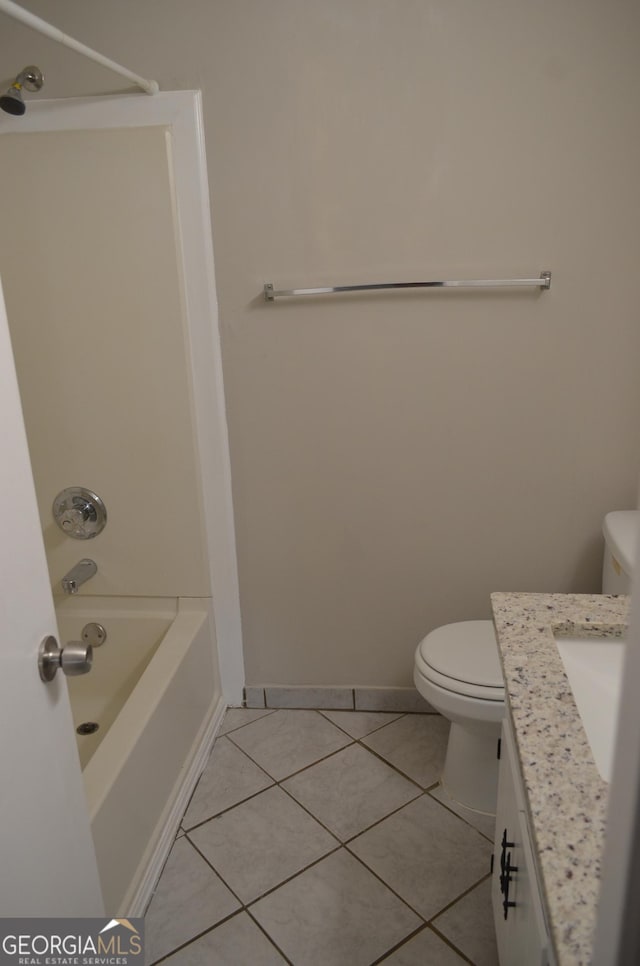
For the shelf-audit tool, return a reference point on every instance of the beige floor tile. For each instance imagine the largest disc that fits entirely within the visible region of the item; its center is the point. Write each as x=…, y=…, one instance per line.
x=237, y=942
x=334, y=914
x=238, y=717
x=228, y=778
x=415, y=744
x=484, y=823
x=350, y=791
x=469, y=925
x=260, y=843
x=189, y=898
x=360, y=723
x=425, y=949
x=425, y=854
x=286, y=741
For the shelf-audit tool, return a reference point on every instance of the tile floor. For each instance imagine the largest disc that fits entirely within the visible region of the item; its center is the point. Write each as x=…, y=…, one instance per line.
x=323, y=839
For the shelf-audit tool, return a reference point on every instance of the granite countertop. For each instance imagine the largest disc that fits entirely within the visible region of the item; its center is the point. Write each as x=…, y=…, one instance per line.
x=566, y=796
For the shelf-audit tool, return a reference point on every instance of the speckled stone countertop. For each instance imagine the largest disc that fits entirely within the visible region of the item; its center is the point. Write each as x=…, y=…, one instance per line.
x=567, y=798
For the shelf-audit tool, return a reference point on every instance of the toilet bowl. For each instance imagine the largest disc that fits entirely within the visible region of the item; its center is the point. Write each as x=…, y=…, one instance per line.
x=457, y=670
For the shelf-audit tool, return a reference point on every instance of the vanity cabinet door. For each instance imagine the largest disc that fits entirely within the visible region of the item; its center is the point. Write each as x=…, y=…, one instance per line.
x=517, y=908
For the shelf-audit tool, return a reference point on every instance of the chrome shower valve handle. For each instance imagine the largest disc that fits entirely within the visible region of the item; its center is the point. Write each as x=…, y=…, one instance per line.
x=79, y=513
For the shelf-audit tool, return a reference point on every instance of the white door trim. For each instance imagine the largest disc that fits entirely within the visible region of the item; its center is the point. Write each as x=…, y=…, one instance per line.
x=181, y=111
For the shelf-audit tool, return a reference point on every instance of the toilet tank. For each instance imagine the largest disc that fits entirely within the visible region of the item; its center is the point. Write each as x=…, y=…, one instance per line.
x=620, y=529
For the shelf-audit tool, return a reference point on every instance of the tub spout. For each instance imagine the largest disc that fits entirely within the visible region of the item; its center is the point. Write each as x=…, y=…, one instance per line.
x=78, y=575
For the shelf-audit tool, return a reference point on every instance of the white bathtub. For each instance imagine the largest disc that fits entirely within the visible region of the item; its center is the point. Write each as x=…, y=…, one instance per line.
x=154, y=692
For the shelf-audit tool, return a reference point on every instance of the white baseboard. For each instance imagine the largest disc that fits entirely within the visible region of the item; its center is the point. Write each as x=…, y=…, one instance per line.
x=148, y=873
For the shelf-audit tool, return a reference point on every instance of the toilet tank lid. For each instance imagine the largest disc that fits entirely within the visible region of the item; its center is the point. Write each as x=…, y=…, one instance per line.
x=620, y=529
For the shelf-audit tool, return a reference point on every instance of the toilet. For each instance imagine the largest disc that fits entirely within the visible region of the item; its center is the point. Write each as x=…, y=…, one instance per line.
x=457, y=670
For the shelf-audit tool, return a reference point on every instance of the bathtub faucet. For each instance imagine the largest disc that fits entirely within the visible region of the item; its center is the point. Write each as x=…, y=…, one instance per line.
x=79, y=575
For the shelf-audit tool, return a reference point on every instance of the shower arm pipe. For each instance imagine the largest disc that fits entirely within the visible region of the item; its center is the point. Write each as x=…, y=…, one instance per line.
x=36, y=23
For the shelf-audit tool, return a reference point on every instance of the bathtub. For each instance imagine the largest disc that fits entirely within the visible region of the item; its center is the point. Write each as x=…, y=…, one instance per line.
x=154, y=693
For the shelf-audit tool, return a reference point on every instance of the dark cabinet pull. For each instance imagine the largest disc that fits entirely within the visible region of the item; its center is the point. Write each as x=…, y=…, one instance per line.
x=505, y=863
x=506, y=905
x=505, y=879
x=505, y=873
x=504, y=843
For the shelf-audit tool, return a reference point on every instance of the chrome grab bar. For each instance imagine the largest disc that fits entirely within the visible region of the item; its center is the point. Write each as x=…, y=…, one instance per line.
x=542, y=282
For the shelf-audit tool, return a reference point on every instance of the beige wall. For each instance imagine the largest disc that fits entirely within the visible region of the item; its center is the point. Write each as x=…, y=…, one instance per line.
x=397, y=458
x=95, y=305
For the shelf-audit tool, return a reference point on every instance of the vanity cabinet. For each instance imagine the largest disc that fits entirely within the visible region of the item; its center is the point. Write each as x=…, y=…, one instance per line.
x=518, y=911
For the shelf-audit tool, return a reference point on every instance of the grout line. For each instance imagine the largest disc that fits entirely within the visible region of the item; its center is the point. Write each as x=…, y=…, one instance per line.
x=466, y=892
x=425, y=927
x=270, y=938
x=212, y=867
x=458, y=815
x=230, y=808
x=399, y=945
x=397, y=715
x=290, y=878
x=265, y=714
x=395, y=768
x=420, y=791
x=449, y=943
x=299, y=770
x=379, y=821
x=196, y=937
x=385, y=884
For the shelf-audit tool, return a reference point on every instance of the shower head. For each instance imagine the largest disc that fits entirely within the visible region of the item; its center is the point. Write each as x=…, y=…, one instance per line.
x=31, y=79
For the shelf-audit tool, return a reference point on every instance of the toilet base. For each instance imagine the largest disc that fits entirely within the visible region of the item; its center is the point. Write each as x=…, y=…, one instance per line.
x=470, y=774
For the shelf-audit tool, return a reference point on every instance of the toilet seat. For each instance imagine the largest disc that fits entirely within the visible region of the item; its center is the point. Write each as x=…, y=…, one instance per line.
x=463, y=658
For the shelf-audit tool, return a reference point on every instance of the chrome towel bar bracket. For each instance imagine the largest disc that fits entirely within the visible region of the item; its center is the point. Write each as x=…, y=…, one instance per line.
x=542, y=282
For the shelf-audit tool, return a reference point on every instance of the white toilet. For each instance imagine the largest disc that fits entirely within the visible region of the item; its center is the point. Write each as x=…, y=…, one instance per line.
x=457, y=670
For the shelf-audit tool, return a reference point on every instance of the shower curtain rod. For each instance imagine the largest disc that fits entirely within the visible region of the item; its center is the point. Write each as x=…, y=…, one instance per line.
x=36, y=23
